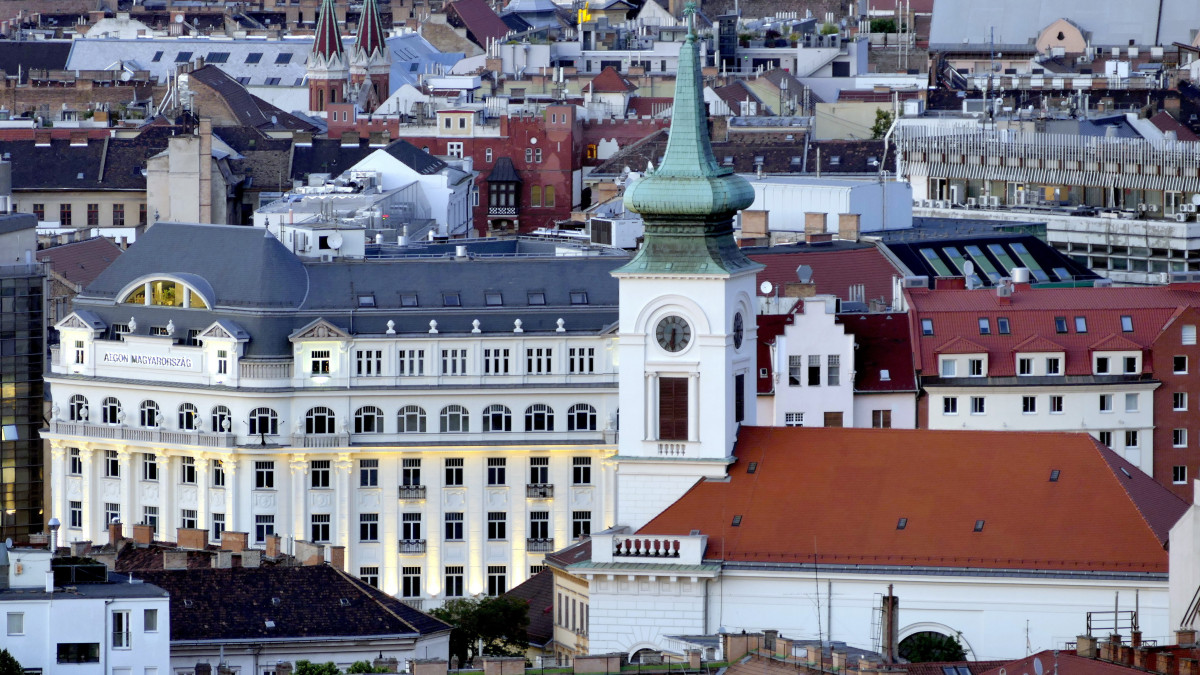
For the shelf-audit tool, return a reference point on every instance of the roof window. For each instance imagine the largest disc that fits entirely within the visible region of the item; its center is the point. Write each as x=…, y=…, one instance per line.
x=579, y=298
x=493, y=299
x=183, y=57
x=272, y=81
x=366, y=300
x=902, y=523
x=409, y=300
x=1002, y=325
x=1060, y=324
x=753, y=467
x=926, y=326
x=537, y=298
x=1127, y=324
x=157, y=57
x=737, y=521
x=451, y=300
x=1054, y=475
x=218, y=57
x=979, y=526
x=282, y=58
x=1081, y=324
x=253, y=57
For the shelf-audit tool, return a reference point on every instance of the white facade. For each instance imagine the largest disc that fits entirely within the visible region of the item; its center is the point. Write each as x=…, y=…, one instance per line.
x=257, y=656
x=814, y=369
x=636, y=604
x=1185, y=572
x=447, y=193
x=94, y=629
x=880, y=205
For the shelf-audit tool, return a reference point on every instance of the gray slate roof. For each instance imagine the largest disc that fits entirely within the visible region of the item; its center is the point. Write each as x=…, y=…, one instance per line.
x=1110, y=22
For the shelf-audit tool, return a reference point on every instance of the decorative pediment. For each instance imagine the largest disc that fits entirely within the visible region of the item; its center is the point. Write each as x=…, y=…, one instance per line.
x=319, y=330
x=82, y=320
x=225, y=330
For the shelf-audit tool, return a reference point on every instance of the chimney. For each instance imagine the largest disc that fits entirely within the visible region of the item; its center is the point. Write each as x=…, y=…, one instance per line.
x=251, y=557
x=193, y=538
x=769, y=637
x=1085, y=646
x=205, y=132
x=234, y=542
x=1141, y=656
x=1164, y=663
x=1185, y=636
x=839, y=661
x=1135, y=638
x=143, y=534
x=273, y=545
x=1187, y=666
x=202, y=669
x=891, y=627
x=80, y=549
x=175, y=559
x=223, y=560
x=337, y=557
x=848, y=226
x=814, y=224
x=114, y=534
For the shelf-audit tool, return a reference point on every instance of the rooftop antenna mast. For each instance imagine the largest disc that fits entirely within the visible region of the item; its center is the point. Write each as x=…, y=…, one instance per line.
x=992, y=70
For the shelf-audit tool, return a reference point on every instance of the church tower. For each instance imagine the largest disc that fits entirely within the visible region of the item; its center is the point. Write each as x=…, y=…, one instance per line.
x=687, y=344
x=327, y=66
x=370, y=60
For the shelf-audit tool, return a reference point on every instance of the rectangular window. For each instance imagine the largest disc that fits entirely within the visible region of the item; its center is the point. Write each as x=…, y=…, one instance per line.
x=1029, y=405
x=497, y=580
x=1127, y=324
x=1179, y=438
x=150, y=621
x=581, y=470
x=222, y=362
x=582, y=359
x=64, y=214
x=978, y=405
x=454, y=471
x=120, y=629
x=149, y=466
x=78, y=652
x=926, y=327
x=455, y=148
x=410, y=582
x=218, y=526
x=141, y=214
x=539, y=470
x=368, y=527
x=673, y=408
x=454, y=526
x=975, y=367
x=412, y=362
x=112, y=512
x=1060, y=324
x=1024, y=366
x=881, y=419
x=1081, y=324
x=495, y=471
x=834, y=371
x=1180, y=365
x=1179, y=475
x=1131, y=402
x=487, y=155
x=985, y=327
x=264, y=526
x=581, y=524
x=949, y=368
x=79, y=352
x=1053, y=365
x=1106, y=403
x=74, y=462
x=187, y=470
x=1179, y=400
x=832, y=419
x=150, y=517
x=93, y=215
x=118, y=215
x=539, y=525
x=319, y=473
x=1131, y=439
x=814, y=370
x=1187, y=335
x=368, y=473
x=949, y=405
x=319, y=360
x=1130, y=365
x=218, y=473
x=368, y=362
x=1056, y=404
x=793, y=419
x=1002, y=325
x=369, y=575
x=320, y=527
x=187, y=519
x=495, y=361
x=454, y=362
x=16, y=623
x=454, y=581
x=538, y=361
x=264, y=475
x=795, y=370
x=496, y=526
x=1105, y=438
x=39, y=211
x=410, y=527
x=75, y=520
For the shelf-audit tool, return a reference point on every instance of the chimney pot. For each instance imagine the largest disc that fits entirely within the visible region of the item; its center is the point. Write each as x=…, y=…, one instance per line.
x=143, y=534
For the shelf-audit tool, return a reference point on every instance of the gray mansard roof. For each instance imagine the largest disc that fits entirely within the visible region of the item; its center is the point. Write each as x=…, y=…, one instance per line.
x=265, y=289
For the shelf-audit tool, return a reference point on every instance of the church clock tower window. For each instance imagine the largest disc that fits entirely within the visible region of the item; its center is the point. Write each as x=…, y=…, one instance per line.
x=672, y=408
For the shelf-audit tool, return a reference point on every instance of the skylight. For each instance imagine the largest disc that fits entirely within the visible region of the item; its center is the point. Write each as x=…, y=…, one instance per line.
x=451, y=300
x=408, y=300
x=902, y=523
x=979, y=526
x=284, y=57
x=493, y=299
x=253, y=57
x=579, y=298
x=537, y=298
x=1054, y=475
x=366, y=301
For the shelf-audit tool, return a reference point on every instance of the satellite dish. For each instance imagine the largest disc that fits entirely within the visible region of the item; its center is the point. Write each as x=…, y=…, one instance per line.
x=178, y=18
x=8, y=543
x=1196, y=199
x=1037, y=666
x=335, y=241
x=804, y=273
x=968, y=268
x=766, y=287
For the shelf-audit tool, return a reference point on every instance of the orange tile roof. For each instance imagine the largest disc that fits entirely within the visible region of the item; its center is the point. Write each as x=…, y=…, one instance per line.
x=835, y=269
x=961, y=345
x=838, y=495
x=1063, y=663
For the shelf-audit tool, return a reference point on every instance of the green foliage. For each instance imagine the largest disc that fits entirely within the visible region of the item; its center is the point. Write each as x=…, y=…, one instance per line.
x=305, y=667
x=883, y=122
x=499, y=622
x=9, y=665
x=929, y=647
x=883, y=25
x=829, y=29
x=365, y=667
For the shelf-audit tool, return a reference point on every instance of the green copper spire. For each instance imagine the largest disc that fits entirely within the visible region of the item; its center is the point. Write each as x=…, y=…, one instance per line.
x=688, y=202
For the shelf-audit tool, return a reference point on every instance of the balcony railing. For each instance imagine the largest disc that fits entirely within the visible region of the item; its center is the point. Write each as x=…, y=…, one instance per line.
x=118, y=433
x=539, y=491
x=276, y=369
x=412, y=492
x=321, y=440
x=412, y=546
x=539, y=545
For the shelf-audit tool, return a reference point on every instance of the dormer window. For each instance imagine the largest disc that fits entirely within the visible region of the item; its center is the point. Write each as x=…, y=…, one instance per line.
x=165, y=293
x=366, y=301
x=320, y=362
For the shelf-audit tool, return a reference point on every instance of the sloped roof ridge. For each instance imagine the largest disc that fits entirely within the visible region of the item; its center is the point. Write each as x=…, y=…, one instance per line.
x=960, y=343
x=1129, y=477
x=1113, y=340
x=355, y=582
x=1038, y=343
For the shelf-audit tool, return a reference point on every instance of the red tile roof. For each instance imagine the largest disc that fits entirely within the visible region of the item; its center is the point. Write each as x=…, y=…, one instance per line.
x=609, y=81
x=1037, y=343
x=82, y=261
x=960, y=345
x=834, y=270
x=1165, y=122
x=480, y=20
x=1063, y=663
x=938, y=667
x=883, y=344
x=1102, y=514
x=1032, y=314
x=648, y=106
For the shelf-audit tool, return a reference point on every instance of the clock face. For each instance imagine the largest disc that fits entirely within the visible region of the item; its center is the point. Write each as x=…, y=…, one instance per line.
x=738, y=330
x=673, y=333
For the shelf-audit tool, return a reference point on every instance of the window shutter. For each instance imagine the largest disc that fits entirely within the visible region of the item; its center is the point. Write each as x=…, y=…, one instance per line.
x=672, y=408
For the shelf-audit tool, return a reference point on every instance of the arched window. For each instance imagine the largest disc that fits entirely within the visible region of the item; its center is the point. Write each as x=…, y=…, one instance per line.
x=165, y=293
x=319, y=420
x=264, y=421
x=539, y=417
x=222, y=420
x=411, y=419
x=497, y=418
x=189, y=417
x=454, y=418
x=320, y=99
x=148, y=415
x=368, y=420
x=77, y=410
x=549, y=199
x=110, y=411
x=581, y=417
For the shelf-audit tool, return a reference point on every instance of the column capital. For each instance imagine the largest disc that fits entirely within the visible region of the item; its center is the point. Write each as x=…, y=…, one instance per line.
x=298, y=463
x=161, y=454
x=86, y=451
x=344, y=463
x=229, y=464
x=123, y=452
x=57, y=450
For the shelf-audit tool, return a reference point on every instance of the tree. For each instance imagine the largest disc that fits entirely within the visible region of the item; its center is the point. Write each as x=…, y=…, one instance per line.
x=883, y=122
x=500, y=623
x=928, y=646
x=883, y=26
x=829, y=29
x=9, y=664
x=305, y=667
x=365, y=667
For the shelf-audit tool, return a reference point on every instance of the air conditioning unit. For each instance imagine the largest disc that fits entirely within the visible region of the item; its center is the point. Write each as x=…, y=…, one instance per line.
x=995, y=201
x=1154, y=208
x=326, y=257
x=970, y=202
x=915, y=282
x=1142, y=208
x=939, y=204
x=1102, y=283
x=1181, y=217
